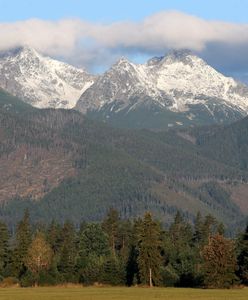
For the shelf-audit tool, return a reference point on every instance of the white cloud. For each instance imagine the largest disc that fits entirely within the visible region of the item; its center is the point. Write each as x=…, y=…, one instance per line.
x=92, y=42
x=46, y=36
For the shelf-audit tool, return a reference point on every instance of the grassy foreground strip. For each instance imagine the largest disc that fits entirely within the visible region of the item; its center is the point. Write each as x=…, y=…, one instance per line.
x=97, y=293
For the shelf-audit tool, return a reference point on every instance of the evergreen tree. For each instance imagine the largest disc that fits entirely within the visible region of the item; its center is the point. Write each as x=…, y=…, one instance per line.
x=54, y=236
x=23, y=241
x=93, y=252
x=113, y=271
x=209, y=228
x=149, y=247
x=243, y=258
x=125, y=238
x=198, y=230
x=220, y=262
x=91, y=270
x=111, y=226
x=220, y=229
x=181, y=257
x=132, y=266
x=132, y=270
x=199, y=240
x=180, y=232
x=93, y=240
x=4, y=247
x=68, y=253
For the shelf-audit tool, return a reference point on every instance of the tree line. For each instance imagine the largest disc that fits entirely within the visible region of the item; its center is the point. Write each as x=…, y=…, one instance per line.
x=124, y=252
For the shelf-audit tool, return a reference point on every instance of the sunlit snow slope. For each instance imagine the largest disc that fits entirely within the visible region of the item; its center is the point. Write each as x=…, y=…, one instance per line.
x=42, y=81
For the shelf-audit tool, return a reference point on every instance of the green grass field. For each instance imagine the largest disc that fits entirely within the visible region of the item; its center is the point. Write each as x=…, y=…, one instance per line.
x=98, y=293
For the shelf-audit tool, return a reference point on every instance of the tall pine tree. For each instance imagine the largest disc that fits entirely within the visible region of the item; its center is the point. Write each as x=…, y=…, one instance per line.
x=4, y=247
x=23, y=241
x=111, y=226
x=68, y=253
x=149, y=247
x=179, y=249
x=243, y=258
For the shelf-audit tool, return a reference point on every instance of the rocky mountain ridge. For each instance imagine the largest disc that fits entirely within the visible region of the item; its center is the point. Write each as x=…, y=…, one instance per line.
x=41, y=81
x=173, y=90
x=180, y=83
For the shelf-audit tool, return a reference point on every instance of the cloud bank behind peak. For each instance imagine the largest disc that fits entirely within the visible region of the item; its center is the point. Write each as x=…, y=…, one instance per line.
x=91, y=44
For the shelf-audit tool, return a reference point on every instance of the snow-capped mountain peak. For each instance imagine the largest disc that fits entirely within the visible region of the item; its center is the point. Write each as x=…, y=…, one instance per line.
x=123, y=65
x=28, y=51
x=122, y=60
x=155, y=60
x=184, y=58
x=189, y=80
x=40, y=80
x=179, y=82
x=179, y=55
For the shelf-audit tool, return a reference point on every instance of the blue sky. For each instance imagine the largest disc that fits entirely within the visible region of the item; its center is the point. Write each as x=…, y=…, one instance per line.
x=113, y=10
x=98, y=32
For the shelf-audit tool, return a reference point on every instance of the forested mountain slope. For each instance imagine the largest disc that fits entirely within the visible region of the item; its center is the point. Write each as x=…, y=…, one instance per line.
x=228, y=144
x=62, y=165
x=11, y=104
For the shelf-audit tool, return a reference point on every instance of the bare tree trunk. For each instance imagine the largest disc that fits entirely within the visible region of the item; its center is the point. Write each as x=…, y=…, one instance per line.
x=150, y=277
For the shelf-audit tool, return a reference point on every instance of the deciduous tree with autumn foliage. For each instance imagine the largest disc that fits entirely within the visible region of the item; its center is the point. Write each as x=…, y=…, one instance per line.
x=219, y=262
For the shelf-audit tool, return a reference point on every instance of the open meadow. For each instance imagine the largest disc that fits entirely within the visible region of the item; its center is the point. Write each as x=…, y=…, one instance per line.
x=107, y=293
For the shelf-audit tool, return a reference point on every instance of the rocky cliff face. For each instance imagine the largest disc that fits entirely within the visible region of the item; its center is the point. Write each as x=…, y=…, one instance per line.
x=42, y=81
x=181, y=84
x=179, y=89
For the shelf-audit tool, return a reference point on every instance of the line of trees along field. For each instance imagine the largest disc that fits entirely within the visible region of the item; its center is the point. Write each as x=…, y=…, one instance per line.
x=124, y=252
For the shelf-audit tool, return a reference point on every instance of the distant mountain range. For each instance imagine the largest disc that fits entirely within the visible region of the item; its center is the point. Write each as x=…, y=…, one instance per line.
x=62, y=165
x=179, y=89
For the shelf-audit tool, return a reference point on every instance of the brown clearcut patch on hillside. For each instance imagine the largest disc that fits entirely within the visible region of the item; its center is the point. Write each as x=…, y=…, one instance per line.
x=187, y=137
x=180, y=199
x=33, y=171
x=239, y=195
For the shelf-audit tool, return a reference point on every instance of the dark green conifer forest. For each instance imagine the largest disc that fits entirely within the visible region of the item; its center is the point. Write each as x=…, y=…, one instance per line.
x=85, y=203
x=123, y=252
x=61, y=165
